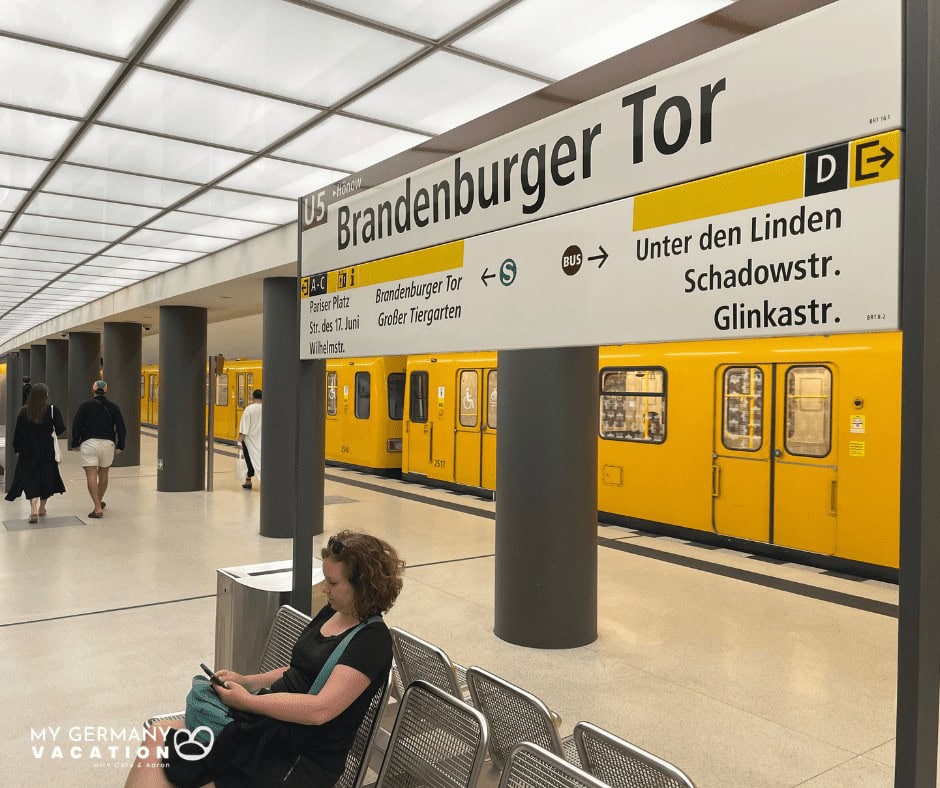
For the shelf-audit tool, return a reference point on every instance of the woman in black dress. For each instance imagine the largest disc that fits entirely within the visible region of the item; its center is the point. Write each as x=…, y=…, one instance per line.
x=37, y=472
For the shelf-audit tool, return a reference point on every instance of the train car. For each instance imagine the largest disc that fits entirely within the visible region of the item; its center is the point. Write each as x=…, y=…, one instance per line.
x=774, y=445
x=364, y=404
x=450, y=425
x=232, y=395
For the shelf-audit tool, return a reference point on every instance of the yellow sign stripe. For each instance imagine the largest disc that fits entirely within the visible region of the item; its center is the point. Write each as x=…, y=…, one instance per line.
x=433, y=260
x=762, y=184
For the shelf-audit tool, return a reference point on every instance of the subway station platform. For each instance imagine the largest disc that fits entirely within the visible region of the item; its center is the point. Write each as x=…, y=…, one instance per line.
x=743, y=672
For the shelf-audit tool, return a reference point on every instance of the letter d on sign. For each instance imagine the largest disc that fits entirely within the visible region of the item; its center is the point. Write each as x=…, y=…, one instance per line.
x=827, y=170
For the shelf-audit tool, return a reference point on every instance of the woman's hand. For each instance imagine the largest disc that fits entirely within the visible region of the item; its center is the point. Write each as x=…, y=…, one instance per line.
x=231, y=675
x=233, y=694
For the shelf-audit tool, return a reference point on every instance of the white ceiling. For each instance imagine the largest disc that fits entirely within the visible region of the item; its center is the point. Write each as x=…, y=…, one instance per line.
x=137, y=137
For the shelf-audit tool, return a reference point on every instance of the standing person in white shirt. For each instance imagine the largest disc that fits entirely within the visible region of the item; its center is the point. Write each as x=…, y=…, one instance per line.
x=249, y=433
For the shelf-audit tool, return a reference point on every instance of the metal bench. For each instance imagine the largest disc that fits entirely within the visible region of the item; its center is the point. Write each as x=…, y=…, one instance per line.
x=620, y=764
x=437, y=741
x=418, y=660
x=514, y=716
x=530, y=765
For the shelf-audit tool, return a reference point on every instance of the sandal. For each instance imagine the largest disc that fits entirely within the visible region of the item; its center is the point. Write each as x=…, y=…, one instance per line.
x=103, y=504
x=96, y=515
x=33, y=518
x=246, y=486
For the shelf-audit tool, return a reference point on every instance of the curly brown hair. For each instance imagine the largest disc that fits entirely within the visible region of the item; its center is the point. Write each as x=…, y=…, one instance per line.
x=373, y=568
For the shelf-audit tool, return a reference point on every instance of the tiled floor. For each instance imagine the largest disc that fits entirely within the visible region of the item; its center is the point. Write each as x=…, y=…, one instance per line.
x=741, y=683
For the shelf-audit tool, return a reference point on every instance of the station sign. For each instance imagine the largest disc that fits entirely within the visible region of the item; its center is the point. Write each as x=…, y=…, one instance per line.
x=752, y=191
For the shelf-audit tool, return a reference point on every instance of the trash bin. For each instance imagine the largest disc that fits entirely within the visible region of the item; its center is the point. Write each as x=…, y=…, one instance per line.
x=247, y=597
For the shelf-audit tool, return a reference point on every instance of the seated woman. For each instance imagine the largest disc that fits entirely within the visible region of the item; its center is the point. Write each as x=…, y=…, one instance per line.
x=284, y=731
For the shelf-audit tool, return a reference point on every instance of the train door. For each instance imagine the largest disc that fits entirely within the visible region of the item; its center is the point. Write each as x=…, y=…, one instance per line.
x=240, y=398
x=805, y=470
x=773, y=475
x=153, y=402
x=419, y=426
x=488, y=471
x=468, y=430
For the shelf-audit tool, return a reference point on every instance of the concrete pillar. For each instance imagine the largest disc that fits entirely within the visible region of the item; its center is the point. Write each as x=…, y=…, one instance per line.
x=181, y=440
x=546, y=498
x=289, y=481
x=121, y=346
x=14, y=397
x=84, y=367
x=37, y=363
x=57, y=377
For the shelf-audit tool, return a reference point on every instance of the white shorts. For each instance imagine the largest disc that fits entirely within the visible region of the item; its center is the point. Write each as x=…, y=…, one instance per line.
x=97, y=452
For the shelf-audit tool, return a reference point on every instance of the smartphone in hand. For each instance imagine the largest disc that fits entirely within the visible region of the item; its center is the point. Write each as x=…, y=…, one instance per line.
x=212, y=677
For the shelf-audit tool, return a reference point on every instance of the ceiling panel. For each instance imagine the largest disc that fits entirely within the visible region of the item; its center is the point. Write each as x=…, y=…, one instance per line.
x=43, y=260
x=557, y=38
x=431, y=18
x=202, y=112
x=200, y=224
x=19, y=171
x=109, y=26
x=70, y=228
x=281, y=178
x=52, y=242
x=277, y=47
x=147, y=154
x=348, y=144
x=4, y=218
x=132, y=263
x=47, y=78
x=170, y=240
x=11, y=198
x=31, y=134
x=135, y=252
x=67, y=207
x=222, y=202
x=426, y=95
x=115, y=186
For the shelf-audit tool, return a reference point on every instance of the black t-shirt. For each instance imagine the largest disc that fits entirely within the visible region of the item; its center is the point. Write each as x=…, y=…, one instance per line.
x=369, y=652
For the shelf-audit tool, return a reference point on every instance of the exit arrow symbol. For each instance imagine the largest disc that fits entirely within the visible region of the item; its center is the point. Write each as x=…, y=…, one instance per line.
x=487, y=276
x=603, y=255
x=884, y=158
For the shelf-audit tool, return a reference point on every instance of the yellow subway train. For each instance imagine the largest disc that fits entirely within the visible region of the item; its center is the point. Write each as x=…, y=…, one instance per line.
x=232, y=395
x=785, y=446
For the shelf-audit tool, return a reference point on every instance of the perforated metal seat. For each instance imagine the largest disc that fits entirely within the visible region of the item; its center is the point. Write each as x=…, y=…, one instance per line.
x=357, y=761
x=514, y=716
x=418, y=660
x=438, y=741
x=623, y=765
x=288, y=623
x=531, y=766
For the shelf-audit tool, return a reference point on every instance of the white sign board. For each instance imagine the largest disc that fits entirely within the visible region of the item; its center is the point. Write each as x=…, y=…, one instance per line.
x=533, y=203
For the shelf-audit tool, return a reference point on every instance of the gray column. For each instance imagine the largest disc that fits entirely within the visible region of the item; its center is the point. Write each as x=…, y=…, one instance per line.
x=25, y=364
x=546, y=498
x=57, y=377
x=14, y=397
x=181, y=440
x=37, y=363
x=84, y=368
x=121, y=346
x=289, y=480
x=919, y=592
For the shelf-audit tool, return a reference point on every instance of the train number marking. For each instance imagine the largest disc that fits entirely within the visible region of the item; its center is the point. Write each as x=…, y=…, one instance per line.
x=439, y=463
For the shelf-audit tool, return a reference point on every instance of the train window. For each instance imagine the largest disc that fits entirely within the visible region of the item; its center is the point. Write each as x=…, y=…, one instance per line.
x=418, y=409
x=396, y=395
x=142, y=387
x=491, y=399
x=633, y=404
x=469, y=387
x=240, y=388
x=331, y=384
x=809, y=411
x=154, y=388
x=363, y=385
x=221, y=391
x=251, y=383
x=742, y=408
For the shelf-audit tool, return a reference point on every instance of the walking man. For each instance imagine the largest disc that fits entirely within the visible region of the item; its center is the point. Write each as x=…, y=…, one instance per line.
x=98, y=431
x=249, y=433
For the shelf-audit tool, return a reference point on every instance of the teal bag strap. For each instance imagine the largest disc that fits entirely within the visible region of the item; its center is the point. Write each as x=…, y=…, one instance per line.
x=327, y=668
